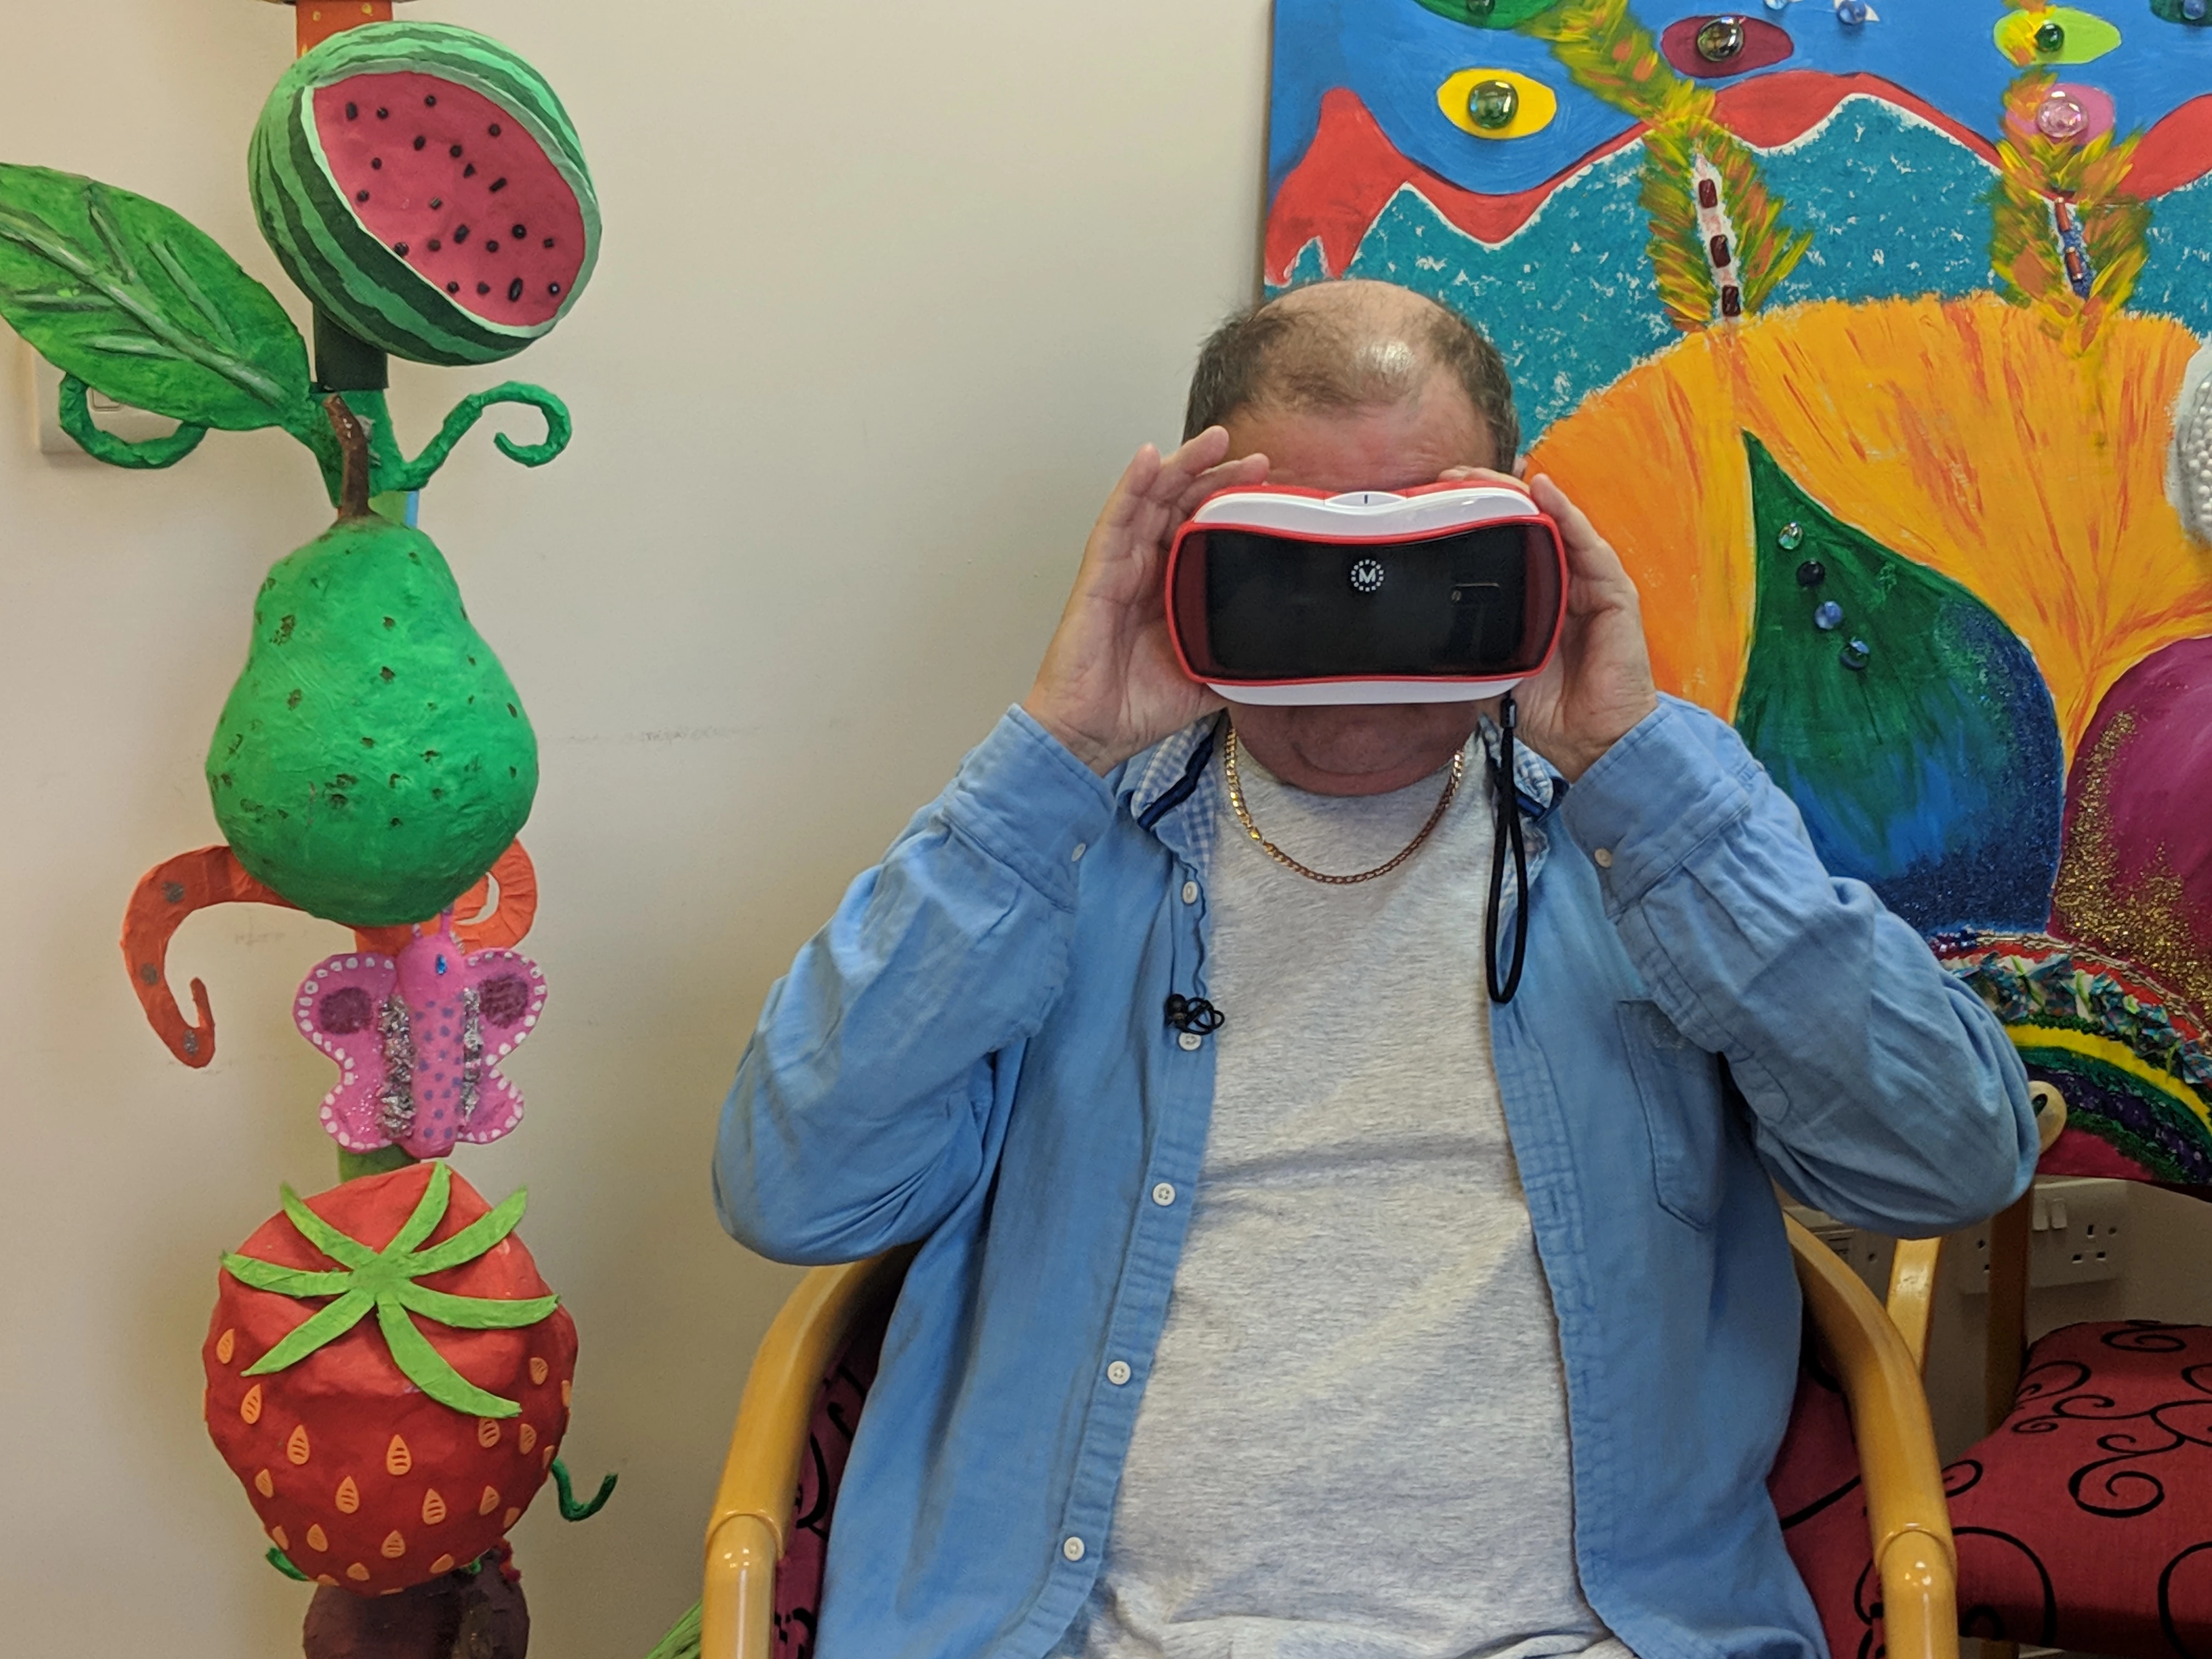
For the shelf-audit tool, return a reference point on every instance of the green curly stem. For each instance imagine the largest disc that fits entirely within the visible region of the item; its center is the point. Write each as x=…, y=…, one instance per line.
x=150, y=456
x=570, y=1509
x=413, y=475
x=283, y=1563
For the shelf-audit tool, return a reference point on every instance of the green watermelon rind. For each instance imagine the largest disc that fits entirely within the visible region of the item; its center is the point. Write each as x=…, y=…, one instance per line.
x=310, y=228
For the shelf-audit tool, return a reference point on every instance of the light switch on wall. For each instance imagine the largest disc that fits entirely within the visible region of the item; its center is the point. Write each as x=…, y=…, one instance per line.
x=132, y=425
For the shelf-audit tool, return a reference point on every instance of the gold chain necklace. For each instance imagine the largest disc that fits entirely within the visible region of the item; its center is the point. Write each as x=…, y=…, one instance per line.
x=1244, y=817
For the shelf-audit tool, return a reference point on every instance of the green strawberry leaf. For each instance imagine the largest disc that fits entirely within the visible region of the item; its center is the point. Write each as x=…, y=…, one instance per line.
x=135, y=300
x=385, y=1280
x=430, y=1371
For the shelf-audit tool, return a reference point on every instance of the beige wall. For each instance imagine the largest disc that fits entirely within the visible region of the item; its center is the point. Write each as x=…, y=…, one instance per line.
x=891, y=291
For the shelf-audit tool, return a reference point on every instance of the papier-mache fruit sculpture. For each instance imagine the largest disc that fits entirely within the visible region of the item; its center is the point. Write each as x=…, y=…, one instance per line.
x=387, y=1375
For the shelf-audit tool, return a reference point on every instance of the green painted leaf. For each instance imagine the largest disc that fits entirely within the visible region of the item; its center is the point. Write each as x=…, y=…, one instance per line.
x=327, y=1325
x=473, y=1240
x=429, y=1370
x=475, y=1313
x=136, y=300
x=324, y=1237
x=1909, y=724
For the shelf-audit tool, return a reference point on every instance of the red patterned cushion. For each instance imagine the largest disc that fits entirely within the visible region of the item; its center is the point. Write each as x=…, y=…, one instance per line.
x=2085, y=1521
x=829, y=1444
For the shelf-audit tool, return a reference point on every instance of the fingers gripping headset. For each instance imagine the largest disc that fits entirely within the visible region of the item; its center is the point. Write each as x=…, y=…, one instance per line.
x=1445, y=593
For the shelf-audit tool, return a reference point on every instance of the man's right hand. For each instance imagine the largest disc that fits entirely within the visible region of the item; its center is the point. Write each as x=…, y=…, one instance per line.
x=1110, y=686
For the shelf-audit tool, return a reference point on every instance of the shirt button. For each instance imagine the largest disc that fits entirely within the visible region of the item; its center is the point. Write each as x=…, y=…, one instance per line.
x=1118, y=1372
x=1081, y=848
x=1188, y=1041
x=1164, y=1195
x=1603, y=858
x=1190, y=892
x=1073, y=1549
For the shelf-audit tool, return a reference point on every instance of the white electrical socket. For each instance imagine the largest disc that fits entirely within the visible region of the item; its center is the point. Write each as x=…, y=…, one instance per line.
x=134, y=426
x=2078, y=1233
x=1867, y=1254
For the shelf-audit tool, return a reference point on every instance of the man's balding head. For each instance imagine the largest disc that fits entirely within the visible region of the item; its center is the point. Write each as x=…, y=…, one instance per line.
x=1348, y=345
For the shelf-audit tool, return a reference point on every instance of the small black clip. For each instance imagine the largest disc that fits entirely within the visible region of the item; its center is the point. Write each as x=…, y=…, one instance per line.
x=1193, y=1014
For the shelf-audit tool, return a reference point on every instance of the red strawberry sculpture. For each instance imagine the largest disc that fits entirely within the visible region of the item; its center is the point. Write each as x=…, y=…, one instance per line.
x=389, y=1378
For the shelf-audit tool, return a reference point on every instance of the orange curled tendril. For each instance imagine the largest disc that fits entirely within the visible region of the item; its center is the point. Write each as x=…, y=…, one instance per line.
x=499, y=909
x=164, y=895
x=494, y=914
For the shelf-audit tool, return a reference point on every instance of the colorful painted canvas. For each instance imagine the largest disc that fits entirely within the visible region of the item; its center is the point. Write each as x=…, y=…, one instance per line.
x=1872, y=335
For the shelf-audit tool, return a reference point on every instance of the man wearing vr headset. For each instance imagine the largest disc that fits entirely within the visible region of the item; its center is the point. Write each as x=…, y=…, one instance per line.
x=1282, y=1292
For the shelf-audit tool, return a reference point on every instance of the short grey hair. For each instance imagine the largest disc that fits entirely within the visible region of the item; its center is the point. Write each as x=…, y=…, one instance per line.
x=1309, y=357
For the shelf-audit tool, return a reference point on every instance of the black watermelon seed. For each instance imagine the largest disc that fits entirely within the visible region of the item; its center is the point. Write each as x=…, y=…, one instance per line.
x=437, y=202
x=484, y=288
x=435, y=244
x=520, y=232
x=491, y=244
x=470, y=171
x=461, y=234
x=399, y=248
x=456, y=150
x=353, y=112
x=552, y=288
x=376, y=164
x=383, y=115
x=514, y=289
x=495, y=129
x=498, y=185
x=430, y=100
x=548, y=241
x=420, y=140
x=360, y=196
x=452, y=288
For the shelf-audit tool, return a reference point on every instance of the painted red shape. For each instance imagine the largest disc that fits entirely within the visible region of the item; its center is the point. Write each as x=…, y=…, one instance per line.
x=1783, y=107
x=1351, y=170
x=2152, y=740
x=1764, y=46
x=2178, y=151
x=505, y=226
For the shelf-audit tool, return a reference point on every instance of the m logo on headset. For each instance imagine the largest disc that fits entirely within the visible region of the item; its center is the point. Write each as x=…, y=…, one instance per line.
x=1446, y=594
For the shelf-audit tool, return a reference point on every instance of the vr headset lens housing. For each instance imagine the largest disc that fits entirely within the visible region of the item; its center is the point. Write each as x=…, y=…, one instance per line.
x=1322, y=617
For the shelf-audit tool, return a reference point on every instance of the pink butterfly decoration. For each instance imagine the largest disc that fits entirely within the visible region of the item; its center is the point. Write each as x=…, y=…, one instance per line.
x=417, y=1039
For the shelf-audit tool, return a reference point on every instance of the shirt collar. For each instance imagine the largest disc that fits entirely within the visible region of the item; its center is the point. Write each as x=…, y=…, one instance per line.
x=1174, y=790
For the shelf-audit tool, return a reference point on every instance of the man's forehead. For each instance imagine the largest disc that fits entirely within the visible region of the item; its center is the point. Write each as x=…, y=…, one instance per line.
x=1382, y=445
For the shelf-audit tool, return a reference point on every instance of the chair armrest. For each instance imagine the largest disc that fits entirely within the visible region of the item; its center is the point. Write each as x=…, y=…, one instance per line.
x=1909, y=1523
x=748, y=1530
x=1912, y=1294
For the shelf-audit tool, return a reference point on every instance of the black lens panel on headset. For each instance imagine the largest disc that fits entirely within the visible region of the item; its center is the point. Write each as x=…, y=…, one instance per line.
x=1472, y=604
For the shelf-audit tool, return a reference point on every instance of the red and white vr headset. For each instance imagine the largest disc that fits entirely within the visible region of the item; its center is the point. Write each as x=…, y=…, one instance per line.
x=1445, y=593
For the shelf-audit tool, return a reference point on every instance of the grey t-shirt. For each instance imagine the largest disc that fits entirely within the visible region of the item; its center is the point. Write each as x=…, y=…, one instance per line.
x=1353, y=1439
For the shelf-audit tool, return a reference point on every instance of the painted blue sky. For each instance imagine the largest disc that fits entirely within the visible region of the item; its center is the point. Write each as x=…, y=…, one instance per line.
x=1395, y=54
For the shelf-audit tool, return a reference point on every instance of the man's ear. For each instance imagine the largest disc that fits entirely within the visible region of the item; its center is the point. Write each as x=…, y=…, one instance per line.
x=1521, y=469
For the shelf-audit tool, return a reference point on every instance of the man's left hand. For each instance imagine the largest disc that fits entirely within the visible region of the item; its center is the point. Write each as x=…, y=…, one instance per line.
x=1598, y=683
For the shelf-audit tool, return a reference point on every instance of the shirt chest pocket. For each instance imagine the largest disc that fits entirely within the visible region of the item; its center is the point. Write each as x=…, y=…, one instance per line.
x=1678, y=1086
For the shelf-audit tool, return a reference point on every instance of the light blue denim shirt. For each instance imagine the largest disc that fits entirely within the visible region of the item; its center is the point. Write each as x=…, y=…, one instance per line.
x=974, y=1054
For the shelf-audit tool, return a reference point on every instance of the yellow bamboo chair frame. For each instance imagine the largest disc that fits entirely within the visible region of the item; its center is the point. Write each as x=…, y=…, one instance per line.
x=1909, y=1525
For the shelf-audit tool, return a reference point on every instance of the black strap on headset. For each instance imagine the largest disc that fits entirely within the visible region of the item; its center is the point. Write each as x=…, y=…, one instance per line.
x=1505, y=792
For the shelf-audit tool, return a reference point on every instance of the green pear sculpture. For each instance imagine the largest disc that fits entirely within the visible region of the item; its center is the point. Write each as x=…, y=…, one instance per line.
x=374, y=758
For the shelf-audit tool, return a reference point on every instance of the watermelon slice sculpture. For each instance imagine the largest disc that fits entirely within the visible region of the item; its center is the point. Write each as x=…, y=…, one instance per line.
x=425, y=187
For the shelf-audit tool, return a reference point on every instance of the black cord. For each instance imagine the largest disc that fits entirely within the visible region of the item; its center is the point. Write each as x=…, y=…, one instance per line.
x=1193, y=1014
x=1507, y=798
